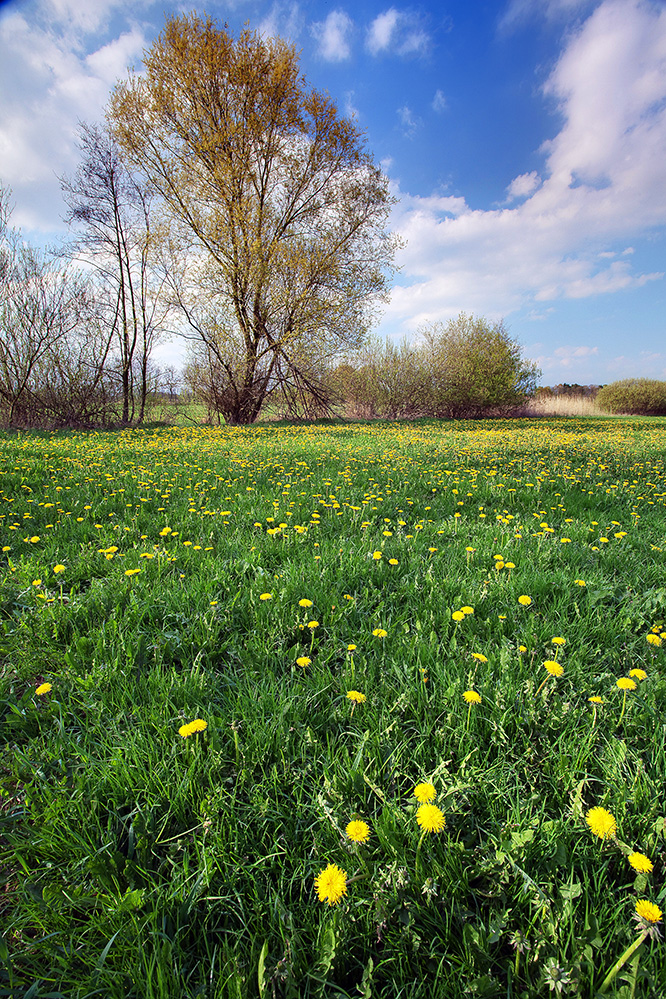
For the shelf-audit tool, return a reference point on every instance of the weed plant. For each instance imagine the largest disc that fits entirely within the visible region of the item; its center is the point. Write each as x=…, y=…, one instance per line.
x=350, y=614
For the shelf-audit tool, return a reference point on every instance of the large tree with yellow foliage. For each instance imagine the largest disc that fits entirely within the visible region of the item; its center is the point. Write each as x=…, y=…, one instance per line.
x=272, y=198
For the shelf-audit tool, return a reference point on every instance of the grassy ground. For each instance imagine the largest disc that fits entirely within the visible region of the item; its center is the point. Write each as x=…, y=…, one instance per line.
x=254, y=578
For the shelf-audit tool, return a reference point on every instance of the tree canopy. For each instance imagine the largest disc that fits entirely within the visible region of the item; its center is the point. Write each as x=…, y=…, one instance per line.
x=276, y=206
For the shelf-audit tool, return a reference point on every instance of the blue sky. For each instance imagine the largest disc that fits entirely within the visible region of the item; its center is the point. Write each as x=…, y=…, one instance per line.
x=525, y=141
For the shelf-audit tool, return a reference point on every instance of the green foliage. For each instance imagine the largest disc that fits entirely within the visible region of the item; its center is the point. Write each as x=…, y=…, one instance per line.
x=476, y=367
x=467, y=367
x=637, y=396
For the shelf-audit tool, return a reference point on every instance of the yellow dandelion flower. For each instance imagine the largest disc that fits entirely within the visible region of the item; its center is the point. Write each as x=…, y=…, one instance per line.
x=601, y=822
x=553, y=667
x=580, y=582
x=265, y=596
x=198, y=725
x=331, y=884
x=458, y=616
x=351, y=647
x=654, y=640
x=430, y=818
x=313, y=624
x=639, y=674
x=524, y=600
x=44, y=688
x=626, y=683
x=376, y=556
x=303, y=661
x=471, y=697
x=380, y=633
x=640, y=862
x=479, y=656
x=131, y=572
x=648, y=911
x=558, y=640
x=425, y=792
x=356, y=696
x=358, y=831
x=595, y=700
x=393, y=561
x=467, y=610
x=36, y=582
x=305, y=602
x=59, y=568
x=522, y=648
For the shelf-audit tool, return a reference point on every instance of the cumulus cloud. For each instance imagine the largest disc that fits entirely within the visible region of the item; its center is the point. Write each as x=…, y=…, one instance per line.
x=333, y=36
x=519, y=11
x=522, y=186
x=49, y=84
x=604, y=183
x=396, y=31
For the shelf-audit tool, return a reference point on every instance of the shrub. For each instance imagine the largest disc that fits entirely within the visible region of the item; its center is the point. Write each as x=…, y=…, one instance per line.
x=636, y=396
x=475, y=368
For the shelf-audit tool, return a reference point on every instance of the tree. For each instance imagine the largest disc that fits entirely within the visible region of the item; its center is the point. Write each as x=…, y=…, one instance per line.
x=44, y=307
x=110, y=211
x=475, y=367
x=280, y=209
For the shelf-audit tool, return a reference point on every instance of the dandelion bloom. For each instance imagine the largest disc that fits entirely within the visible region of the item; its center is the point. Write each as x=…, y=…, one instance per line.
x=58, y=568
x=358, y=831
x=303, y=661
x=480, y=657
x=313, y=624
x=393, y=561
x=654, y=640
x=265, y=596
x=640, y=862
x=430, y=818
x=524, y=600
x=595, y=700
x=351, y=647
x=458, y=616
x=580, y=582
x=198, y=725
x=640, y=674
x=380, y=633
x=131, y=572
x=467, y=610
x=522, y=648
x=553, y=667
x=626, y=683
x=44, y=688
x=37, y=582
x=471, y=697
x=601, y=822
x=376, y=556
x=558, y=640
x=356, y=696
x=425, y=792
x=305, y=602
x=331, y=884
x=648, y=911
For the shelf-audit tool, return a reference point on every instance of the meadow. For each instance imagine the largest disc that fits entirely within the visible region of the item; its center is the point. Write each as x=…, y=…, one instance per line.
x=334, y=710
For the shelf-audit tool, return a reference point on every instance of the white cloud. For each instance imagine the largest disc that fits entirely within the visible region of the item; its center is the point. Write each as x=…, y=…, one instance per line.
x=284, y=20
x=439, y=102
x=396, y=31
x=522, y=186
x=519, y=11
x=604, y=183
x=409, y=121
x=333, y=36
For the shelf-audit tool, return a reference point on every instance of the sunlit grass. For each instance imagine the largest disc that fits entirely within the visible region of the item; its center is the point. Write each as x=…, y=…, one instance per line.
x=231, y=656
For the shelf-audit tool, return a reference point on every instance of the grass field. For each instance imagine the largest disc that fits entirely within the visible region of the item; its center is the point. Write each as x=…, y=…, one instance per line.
x=475, y=611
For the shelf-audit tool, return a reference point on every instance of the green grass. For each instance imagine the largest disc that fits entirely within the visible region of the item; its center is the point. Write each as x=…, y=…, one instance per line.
x=140, y=863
